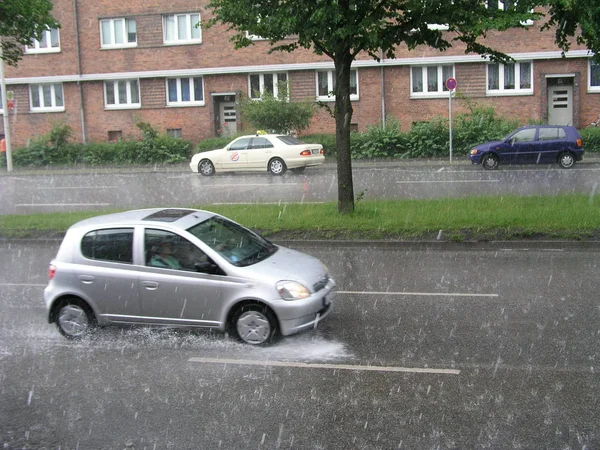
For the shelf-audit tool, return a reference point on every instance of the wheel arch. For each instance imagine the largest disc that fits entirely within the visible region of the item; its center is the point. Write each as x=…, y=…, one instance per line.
x=64, y=299
x=240, y=304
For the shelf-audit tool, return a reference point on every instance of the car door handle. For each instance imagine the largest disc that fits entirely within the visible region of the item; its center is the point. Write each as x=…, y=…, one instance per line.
x=150, y=285
x=86, y=279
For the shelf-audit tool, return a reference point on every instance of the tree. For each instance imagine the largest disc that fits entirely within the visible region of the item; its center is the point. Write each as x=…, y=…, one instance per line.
x=21, y=21
x=341, y=29
x=277, y=113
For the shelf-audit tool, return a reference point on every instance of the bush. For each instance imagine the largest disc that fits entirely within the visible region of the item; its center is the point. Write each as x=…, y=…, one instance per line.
x=213, y=143
x=426, y=140
x=378, y=141
x=591, y=139
x=480, y=125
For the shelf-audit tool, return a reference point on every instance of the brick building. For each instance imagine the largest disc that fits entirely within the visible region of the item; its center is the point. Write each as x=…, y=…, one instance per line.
x=114, y=63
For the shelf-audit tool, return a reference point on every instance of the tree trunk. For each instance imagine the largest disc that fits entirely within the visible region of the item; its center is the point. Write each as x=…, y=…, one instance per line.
x=343, y=117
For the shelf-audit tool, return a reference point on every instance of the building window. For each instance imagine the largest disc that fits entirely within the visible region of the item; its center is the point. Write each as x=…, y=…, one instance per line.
x=175, y=133
x=122, y=94
x=49, y=43
x=594, y=77
x=185, y=91
x=46, y=97
x=182, y=29
x=267, y=83
x=509, y=79
x=115, y=135
x=430, y=81
x=326, y=85
x=118, y=33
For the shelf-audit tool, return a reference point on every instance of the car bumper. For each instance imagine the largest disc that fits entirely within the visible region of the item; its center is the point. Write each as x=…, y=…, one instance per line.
x=305, y=161
x=295, y=316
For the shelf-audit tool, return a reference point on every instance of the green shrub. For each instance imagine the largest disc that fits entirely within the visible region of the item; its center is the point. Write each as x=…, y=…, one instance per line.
x=591, y=139
x=213, y=143
x=326, y=140
x=378, y=141
x=479, y=125
x=426, y=140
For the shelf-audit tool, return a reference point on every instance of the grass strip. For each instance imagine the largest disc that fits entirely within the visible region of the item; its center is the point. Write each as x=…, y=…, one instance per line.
x=564, y=216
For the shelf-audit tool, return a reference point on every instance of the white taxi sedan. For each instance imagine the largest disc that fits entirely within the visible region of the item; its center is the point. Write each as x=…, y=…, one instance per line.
x=274, y=153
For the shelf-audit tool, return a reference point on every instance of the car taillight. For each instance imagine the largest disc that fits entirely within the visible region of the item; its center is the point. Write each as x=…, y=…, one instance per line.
x=51, y=271
x=305, y=153
x=579, y=142
x=322, y=152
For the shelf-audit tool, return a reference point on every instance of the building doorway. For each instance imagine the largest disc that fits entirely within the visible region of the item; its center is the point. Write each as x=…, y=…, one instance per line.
x=226, y=114
x=560, y=101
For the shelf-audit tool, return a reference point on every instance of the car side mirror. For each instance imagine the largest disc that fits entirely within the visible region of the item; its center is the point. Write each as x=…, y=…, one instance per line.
x=207, y=267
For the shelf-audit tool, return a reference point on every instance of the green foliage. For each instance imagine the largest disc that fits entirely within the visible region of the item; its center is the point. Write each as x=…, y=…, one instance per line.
x=55, y=149
x=213, y=143
x=277, y=114
x=427, y=139
x=591, y=139
x=480, y=125
x=21, y=21
x=378, y=141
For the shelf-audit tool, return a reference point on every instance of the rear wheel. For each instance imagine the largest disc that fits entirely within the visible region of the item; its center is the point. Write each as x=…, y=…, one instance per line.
x=206, y=168
x=277, y=166
x=254, y=324
x=490, y=161
x=75, y=319
x=566, y=160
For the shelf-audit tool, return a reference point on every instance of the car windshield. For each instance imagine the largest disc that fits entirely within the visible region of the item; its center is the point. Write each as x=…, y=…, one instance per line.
x=290, y=140
x=238, y=245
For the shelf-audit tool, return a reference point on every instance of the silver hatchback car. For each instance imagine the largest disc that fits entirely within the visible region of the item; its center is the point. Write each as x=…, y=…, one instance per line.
x=183, y=268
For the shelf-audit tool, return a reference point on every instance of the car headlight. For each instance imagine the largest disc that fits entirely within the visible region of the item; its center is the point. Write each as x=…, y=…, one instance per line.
x=292, y=290
x=474, y=151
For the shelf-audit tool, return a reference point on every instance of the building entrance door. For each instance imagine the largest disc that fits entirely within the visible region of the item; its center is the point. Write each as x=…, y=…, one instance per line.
x=228, y=116
x=560, y=102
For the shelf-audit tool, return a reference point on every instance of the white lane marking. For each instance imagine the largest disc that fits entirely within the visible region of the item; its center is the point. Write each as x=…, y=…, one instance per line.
x=74, y=187
x=229, y=186
x=440, y=169
x=270, y=363
x=447, y=181
x=23, y=284
x=25, y=205
x=423, y=294
x=266, y=203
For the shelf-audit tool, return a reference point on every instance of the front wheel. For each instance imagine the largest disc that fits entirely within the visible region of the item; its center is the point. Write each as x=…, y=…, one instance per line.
x=277, y=166
x=254, y=324
x=206, y=168
x=566, y=160
x=490, y=161
x=75, y=319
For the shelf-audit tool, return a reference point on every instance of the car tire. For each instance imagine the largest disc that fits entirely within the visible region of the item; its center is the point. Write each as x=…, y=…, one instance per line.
x=277, y=166
x=254, y=324
x=490, y=161
x=206, y=168
x=566, y=160
x=75, y=319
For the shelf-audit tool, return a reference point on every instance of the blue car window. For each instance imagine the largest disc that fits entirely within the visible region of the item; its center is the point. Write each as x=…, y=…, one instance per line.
x=548, y=134
x=526, y=135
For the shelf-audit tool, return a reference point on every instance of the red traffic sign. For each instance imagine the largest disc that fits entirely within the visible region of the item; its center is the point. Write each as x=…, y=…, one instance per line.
x=451, y=84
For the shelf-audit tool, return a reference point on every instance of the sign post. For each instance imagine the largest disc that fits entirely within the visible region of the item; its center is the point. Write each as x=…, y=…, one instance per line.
x=450, y=85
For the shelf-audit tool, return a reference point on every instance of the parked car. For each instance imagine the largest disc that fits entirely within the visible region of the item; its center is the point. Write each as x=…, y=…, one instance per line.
x=534, y=144
x=183, y=268
x=274, y=153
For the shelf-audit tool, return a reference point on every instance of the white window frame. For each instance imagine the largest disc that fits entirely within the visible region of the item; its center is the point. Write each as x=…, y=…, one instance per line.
x=129, y=103
x=262, y=84
x=35, y=44
x=53, y=107
x=502, y=91
x=592, y=88
x=441, y=82
x=179, y=102
x=124, y=26
x=330, y=85
x=189, y=25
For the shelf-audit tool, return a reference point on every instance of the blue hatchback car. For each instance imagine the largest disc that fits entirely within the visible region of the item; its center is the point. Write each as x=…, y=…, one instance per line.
x=533, y=144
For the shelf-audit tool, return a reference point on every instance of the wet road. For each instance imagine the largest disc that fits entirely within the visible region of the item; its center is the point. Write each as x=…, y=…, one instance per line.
x=47, y=191
x=432, y=348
